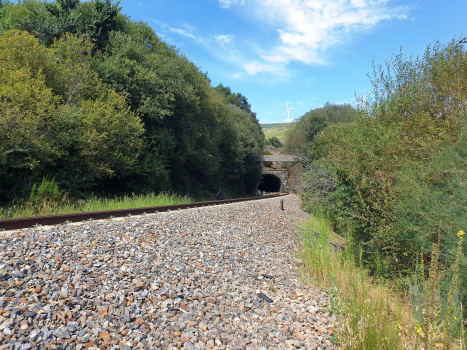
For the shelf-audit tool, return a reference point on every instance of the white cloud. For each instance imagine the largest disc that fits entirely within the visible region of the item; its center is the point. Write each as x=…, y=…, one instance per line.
x=227, y=3
x=183, y=32
x=256, y=67
x=224, y=39
x=189, y=31
x=307, y=27
x=274, y=58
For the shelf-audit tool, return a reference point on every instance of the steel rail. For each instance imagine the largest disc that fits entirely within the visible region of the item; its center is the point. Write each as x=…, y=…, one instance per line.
x=34, y=221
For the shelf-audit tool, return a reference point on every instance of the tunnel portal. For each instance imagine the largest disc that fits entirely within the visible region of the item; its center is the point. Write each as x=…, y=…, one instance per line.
x=270, y=183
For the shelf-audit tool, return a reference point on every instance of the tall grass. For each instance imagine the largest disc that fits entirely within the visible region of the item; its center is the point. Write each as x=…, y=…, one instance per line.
x=439, y=314
x=371, y=313
x=47, y=199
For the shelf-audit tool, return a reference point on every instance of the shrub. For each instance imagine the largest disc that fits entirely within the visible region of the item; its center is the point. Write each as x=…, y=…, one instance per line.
x=58, y=118
x=274, y=142
x=47, y=193
x=300, y=136
x=400, y=168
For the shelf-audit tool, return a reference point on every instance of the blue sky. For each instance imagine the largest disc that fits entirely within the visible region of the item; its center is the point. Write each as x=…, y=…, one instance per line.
x=307, y=52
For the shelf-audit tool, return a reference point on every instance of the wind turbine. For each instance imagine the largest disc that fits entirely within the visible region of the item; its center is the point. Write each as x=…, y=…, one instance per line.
x=362, y=102
x=287, y=111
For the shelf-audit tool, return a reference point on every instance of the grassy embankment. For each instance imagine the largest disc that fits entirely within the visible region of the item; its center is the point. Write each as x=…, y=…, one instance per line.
x=275, y=129
x=47, y=199
x=372, y=313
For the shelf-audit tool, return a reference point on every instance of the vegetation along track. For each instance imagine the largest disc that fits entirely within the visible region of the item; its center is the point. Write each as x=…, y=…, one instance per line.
x=26, y=222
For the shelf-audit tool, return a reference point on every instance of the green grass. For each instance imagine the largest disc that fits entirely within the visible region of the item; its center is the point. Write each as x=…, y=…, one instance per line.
x=93, y=204
x=371, y=313
x=275, y=129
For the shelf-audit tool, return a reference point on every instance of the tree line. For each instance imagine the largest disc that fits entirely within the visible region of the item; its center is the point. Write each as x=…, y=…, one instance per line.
x=101, y=104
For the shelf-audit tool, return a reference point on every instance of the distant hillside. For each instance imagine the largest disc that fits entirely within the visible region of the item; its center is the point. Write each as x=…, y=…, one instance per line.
x=275, y=129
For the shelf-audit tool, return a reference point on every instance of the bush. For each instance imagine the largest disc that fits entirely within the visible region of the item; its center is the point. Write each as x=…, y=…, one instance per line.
x=103, y=105
x=392, y=141
x=400, y=168
x=57, y=118
x=300, y=136
x=274, y=142
x=47, y=193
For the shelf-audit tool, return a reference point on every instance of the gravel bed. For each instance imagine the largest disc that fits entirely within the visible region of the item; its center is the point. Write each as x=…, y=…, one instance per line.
x=221, y=277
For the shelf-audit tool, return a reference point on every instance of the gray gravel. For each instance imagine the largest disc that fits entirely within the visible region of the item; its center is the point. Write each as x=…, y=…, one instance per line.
x=221, y=277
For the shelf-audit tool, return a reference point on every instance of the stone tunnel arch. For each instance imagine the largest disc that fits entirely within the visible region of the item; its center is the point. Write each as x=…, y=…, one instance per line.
x=270, y=183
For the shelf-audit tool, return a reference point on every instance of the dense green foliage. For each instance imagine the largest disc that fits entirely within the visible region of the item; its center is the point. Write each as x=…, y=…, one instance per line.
x=274, y=142
x=395, y=175
x=300, y=138
x=98, y=102
x=242, y=141
x=47, y=21
x=58, y=119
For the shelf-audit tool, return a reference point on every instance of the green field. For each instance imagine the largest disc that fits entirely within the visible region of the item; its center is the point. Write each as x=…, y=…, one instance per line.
x=275, y=129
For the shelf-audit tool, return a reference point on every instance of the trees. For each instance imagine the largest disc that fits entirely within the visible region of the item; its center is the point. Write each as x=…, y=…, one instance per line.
x=26, y=107
x=111, y=108
x=400, y=164
x=300, y=137
x=175, y=102
x=234, y=99
x=57, y=117
x=274, y=142
x=242, y=123
x=48, y=21
x=240, y=147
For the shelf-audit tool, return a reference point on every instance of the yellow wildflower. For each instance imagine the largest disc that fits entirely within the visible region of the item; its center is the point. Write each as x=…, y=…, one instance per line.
x=460, y=234
x=419, y=331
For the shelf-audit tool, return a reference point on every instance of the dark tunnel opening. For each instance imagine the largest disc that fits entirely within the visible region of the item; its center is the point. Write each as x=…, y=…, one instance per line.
x=270, y=183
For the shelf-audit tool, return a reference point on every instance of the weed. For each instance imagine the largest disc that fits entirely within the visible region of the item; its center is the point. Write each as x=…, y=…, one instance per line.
x=454, y=285
x=334, y=339
x=272, y=288
x=372, y=314
x=335, y=300
x=367, y=312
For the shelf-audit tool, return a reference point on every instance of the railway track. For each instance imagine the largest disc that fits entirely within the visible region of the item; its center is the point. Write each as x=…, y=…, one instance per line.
x=35, y=221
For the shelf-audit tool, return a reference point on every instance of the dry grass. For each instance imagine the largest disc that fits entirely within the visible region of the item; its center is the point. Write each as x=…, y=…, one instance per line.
x=371, y=313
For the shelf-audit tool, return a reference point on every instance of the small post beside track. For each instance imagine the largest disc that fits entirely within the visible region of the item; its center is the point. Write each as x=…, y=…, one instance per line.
x=282, y=204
